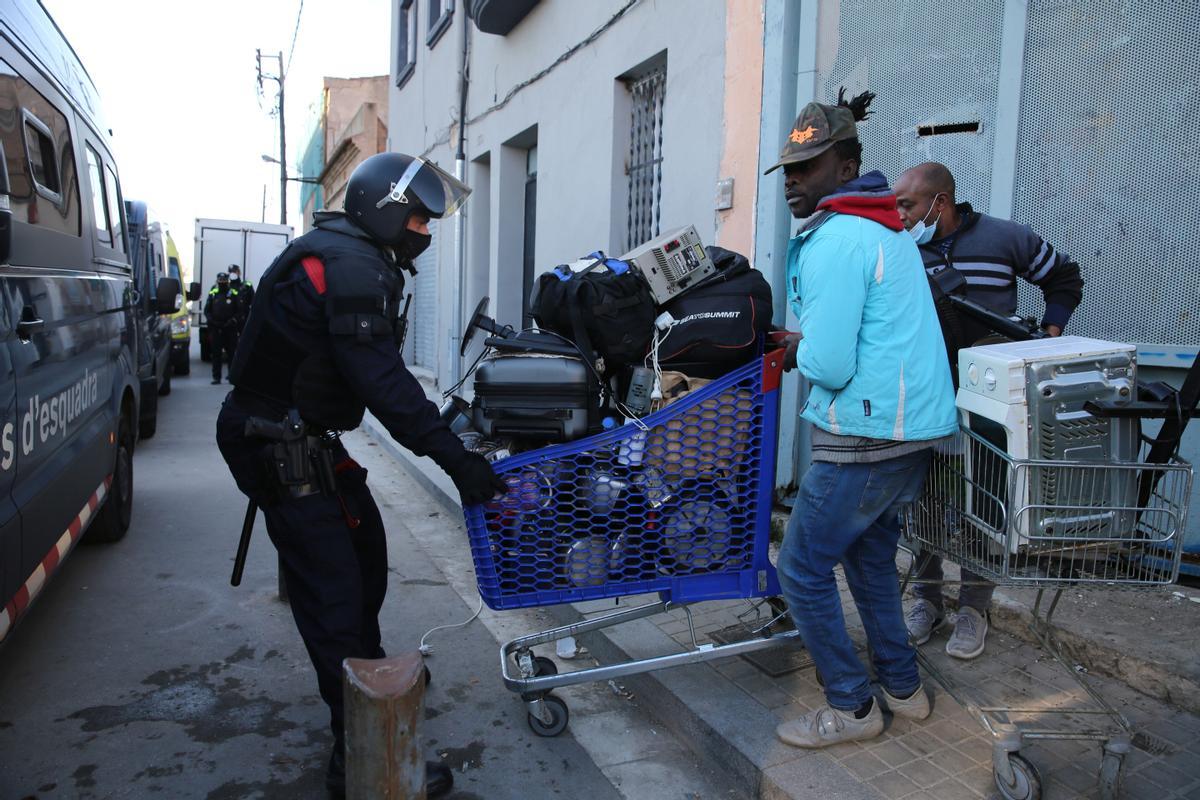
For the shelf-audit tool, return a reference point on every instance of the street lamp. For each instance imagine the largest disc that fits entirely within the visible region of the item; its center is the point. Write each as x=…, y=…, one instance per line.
x=286, y=177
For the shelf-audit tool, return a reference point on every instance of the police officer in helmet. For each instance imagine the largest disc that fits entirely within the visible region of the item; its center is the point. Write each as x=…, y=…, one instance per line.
x=222, y=310
x=322, y=342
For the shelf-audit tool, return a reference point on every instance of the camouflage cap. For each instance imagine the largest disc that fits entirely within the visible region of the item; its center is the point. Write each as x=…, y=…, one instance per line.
x=816, y=130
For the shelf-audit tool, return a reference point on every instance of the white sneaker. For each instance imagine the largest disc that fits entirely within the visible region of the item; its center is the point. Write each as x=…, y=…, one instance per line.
x=827, y=726
x=915, y=706
x=922, y=619
x=970, y=634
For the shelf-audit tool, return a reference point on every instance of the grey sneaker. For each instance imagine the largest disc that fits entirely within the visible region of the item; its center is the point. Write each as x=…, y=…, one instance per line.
x=970, y=634
x=914, y=707
x=922, y=619
x=827, y=726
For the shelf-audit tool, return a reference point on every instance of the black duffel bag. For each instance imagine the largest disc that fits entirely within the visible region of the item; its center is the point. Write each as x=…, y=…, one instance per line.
x=605, y=308
x=720, y=320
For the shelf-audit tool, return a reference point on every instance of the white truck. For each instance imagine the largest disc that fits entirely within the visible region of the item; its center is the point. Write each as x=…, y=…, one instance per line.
x=223, y=242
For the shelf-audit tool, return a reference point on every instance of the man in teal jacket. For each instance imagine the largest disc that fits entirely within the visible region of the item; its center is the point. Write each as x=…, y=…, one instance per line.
x=881, y=397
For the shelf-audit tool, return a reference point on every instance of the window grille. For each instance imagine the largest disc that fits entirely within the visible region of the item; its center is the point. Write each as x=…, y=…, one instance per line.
x=645, y=156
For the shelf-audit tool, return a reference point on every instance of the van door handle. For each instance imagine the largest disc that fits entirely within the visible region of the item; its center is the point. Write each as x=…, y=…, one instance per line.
x=29, y=323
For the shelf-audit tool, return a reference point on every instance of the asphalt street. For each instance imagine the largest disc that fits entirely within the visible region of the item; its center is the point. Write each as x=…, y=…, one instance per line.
x=140, y=672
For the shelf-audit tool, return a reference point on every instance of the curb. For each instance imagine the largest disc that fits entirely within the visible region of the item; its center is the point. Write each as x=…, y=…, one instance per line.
x=1093, y=654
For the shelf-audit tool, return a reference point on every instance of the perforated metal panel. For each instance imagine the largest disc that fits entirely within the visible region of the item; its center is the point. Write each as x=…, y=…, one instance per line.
x=929, y=65
x=423, y=325
x=1108, y=164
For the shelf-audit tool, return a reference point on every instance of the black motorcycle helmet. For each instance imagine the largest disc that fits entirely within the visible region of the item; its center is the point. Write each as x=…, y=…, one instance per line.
x=388, y=188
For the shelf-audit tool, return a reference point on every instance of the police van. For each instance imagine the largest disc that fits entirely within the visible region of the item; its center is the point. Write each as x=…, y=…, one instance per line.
x=69, y=389
x=148, y=257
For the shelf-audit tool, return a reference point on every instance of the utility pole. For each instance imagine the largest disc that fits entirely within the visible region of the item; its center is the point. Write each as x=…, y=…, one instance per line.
x=283, y=179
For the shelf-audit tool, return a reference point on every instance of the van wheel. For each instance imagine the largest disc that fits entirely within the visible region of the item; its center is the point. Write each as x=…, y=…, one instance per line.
x=148, y=424
x=165, y=389
x=113, y=518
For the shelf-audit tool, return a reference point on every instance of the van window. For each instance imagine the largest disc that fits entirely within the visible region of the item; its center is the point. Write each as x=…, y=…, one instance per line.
x=36, y=138
x=40, y=148
x=99, y=210
x=116, y=221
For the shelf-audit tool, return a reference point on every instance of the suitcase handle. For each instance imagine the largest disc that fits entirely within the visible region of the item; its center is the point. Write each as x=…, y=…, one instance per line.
x=526, y=413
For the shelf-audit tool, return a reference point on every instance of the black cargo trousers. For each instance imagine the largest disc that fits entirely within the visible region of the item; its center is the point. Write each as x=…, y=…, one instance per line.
x=223, y=339
x=333, y=554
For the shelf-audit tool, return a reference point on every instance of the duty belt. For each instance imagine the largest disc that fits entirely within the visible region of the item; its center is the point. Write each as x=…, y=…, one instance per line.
x=301, y=462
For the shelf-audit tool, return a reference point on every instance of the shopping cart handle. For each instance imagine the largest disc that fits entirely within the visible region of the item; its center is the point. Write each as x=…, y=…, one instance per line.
x=1138, y=409
x=777, y=337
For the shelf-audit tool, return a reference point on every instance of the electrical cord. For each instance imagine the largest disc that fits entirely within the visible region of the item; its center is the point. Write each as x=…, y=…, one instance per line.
x=467, y=374
x=427, y=649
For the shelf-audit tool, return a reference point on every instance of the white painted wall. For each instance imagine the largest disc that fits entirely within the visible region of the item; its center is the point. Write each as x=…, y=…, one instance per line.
x=581, y=127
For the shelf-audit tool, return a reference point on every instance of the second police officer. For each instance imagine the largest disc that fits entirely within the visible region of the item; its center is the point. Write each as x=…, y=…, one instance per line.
x=245, y=293
x=322, y=341
x=223, y=311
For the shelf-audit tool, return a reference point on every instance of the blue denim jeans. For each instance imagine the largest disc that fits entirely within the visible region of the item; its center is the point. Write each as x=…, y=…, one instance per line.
x=848, y=514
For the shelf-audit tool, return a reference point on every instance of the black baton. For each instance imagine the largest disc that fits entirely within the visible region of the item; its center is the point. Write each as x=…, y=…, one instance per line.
x=239, y=561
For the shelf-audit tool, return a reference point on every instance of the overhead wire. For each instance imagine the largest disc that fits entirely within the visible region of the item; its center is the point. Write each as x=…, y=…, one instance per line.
x=295, y=32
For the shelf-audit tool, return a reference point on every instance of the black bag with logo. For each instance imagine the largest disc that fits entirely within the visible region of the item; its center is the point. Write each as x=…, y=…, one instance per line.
x=606, y=309
x=719, y=321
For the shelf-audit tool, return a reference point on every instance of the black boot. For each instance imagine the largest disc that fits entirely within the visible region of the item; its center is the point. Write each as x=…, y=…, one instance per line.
x=335, y=774
x=439, y=780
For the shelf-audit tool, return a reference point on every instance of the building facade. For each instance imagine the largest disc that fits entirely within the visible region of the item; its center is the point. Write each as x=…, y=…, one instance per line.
x=351, y=126
x=595, y=125
x=1075, y=117
x=589, y=126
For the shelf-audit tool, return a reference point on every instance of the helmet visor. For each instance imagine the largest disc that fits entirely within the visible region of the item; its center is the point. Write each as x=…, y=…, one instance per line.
x=437, y=190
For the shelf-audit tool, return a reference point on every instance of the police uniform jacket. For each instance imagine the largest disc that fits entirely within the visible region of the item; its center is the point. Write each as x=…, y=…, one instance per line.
x=322, y=336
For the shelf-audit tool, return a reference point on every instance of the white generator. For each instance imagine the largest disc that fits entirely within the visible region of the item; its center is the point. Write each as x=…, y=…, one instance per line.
x=1047, y=484
x=671, y=263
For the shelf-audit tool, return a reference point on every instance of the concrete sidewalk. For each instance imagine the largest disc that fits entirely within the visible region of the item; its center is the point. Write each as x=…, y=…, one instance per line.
x=727, y=710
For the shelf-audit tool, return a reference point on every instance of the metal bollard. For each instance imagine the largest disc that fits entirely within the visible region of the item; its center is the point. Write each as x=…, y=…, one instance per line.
x=385, y=701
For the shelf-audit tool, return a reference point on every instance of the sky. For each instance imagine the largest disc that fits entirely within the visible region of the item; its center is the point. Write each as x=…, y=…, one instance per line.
x=177, y=81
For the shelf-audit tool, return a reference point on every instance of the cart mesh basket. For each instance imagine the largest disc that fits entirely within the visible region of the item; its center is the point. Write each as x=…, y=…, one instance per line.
x=679, y=504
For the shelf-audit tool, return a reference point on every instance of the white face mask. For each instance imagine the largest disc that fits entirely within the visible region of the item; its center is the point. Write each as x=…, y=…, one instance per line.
x=922, y=233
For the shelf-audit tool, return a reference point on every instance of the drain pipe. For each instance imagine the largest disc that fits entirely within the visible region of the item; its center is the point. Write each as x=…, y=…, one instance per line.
x=460, y=219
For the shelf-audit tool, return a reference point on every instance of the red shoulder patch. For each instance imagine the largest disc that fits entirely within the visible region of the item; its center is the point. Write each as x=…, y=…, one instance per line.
x=316, y=272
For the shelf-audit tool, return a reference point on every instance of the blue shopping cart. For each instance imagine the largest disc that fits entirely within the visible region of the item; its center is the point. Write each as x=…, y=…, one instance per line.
x=677, y=503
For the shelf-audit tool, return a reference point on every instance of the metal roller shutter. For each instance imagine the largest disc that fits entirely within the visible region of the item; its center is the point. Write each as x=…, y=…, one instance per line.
x=424, y=306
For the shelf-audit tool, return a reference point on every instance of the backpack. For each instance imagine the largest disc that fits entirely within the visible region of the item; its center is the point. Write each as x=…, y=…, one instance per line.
x=719, y=321
x=605, y=308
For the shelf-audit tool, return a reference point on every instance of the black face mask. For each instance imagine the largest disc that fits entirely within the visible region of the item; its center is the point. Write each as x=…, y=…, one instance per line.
x=412, y=245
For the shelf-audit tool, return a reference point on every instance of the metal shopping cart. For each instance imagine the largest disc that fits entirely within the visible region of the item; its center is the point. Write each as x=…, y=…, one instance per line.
x=676, y=503
x=1047, y=525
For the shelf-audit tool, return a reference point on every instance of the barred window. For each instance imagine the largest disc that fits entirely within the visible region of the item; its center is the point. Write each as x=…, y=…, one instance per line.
x=645, y=155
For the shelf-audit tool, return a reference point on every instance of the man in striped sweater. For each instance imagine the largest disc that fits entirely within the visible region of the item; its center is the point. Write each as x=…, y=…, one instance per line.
x=991, y=254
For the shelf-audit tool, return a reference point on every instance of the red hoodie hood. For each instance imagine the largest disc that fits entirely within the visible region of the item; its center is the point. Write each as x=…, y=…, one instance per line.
x=867, y=196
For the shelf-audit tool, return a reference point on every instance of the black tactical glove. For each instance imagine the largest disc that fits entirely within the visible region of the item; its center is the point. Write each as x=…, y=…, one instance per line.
x=475, y=480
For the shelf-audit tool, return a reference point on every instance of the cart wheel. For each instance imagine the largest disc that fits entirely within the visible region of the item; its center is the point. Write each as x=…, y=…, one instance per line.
x=542, y=667
x=1027, y=783
x=1110, y=776
x=559, y=717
